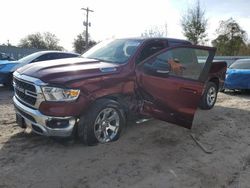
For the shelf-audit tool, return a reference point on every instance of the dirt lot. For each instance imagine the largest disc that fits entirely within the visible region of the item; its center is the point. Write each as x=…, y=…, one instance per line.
x=152, y=154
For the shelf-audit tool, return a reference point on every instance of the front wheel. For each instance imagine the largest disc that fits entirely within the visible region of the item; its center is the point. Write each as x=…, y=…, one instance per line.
x=209, y=97
x=102, y=123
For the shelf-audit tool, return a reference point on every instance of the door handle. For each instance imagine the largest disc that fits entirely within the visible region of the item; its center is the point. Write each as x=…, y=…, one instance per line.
x=188, y=90
x=162, y=71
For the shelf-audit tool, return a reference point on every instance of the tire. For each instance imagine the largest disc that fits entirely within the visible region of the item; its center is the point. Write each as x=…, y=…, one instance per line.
x=9, y=84
x=209, y=97
x=103, y=123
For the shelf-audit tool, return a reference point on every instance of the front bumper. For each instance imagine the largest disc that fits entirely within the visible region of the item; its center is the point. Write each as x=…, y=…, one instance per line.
x=38, y=122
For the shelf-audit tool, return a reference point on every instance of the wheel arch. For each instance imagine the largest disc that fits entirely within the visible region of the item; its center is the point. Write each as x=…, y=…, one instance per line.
x=86, y=126
x=216, y=81
x=120, y=98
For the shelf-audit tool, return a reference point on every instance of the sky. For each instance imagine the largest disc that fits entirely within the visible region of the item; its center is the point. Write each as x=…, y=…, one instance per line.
x=111, y=18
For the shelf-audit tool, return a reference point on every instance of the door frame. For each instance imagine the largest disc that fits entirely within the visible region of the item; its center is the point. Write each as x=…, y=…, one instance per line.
x=152, y=107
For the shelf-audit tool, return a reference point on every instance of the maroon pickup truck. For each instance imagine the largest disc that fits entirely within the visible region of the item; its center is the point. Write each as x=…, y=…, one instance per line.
x=93, y=96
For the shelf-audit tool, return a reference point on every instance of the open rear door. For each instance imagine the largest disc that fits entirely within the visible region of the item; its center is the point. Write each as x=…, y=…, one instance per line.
x=171, y=83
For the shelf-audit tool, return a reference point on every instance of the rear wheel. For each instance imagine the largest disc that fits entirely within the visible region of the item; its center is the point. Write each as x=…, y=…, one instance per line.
x=102, y=123
x=209, y=97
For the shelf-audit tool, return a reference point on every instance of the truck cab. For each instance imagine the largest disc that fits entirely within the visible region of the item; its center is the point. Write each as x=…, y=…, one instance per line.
x=94, y=95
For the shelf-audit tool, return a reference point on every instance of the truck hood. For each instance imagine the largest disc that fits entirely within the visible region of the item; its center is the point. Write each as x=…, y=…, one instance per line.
x=67, y=70
x=4, y=62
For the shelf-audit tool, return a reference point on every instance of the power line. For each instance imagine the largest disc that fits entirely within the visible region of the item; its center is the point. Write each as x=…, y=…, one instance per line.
x=87, y=25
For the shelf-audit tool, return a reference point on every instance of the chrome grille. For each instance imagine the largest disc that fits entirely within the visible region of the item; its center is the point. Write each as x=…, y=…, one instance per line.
x=28, y=90
x=25, y=91
x=25, y=85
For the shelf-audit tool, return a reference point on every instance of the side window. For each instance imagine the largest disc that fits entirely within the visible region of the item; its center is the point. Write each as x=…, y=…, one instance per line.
x=181, y=62
x=245, y=64
x=64, y=55
x=150, y=49
x=43, y=57
x=55, y=56
x=49, y=56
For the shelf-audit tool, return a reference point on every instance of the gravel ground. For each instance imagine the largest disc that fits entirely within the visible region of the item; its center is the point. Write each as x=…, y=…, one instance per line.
x=151, y=154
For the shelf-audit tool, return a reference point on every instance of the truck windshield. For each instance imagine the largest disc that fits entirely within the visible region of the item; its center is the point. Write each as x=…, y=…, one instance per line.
x=114, y=51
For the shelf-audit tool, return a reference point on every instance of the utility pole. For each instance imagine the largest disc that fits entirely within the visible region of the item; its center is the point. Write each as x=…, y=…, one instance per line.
x=87, y=25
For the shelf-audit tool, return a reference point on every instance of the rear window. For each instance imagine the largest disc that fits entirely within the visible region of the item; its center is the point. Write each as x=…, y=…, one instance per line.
x=241, y=64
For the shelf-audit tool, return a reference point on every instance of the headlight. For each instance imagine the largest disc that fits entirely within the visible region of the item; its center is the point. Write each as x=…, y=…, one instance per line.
x=60, y=94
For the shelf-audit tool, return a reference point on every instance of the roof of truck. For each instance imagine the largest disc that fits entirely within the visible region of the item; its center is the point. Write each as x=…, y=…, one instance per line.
x=158, y=38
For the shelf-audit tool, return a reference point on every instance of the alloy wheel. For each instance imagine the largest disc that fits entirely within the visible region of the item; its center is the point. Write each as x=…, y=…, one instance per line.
x=107, y=125
x=211, y=96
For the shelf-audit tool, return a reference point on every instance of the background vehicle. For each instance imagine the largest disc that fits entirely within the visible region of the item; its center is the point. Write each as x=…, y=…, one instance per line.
x=8, y=67
x=238, y=75
x=4, y=57
x=95, y=95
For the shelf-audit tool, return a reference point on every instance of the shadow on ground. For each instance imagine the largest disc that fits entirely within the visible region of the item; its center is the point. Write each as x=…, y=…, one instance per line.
x=152, y=154
x=238, y=93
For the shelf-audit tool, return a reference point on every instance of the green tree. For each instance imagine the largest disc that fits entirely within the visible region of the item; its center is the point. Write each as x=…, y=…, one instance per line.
x=194, y=24
x=47, y=41
x=79, y=43
x=231, y=39
x=245, y=50
x=155, y=31
x=51, y=41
